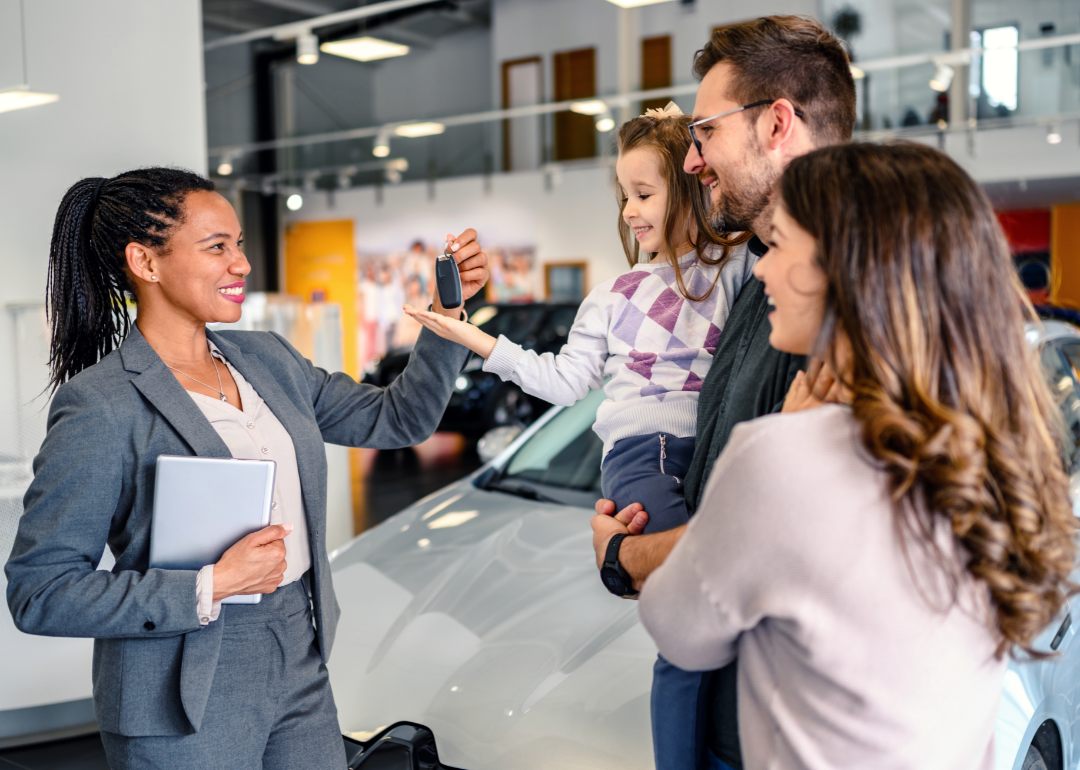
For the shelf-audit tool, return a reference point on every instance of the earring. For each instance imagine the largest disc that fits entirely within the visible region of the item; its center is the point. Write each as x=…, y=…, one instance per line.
x=153, y=278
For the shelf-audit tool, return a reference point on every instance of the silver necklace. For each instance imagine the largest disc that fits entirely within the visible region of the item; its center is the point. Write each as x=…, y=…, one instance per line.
x=216, y=371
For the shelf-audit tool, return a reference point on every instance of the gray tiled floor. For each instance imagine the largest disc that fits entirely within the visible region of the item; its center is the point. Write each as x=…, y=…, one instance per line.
x=401, y=480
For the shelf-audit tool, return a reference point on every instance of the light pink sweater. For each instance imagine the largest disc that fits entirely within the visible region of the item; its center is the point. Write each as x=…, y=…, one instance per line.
x=850, y=655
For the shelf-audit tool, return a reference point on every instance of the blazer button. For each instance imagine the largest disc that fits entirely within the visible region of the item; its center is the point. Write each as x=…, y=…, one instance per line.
x=149, y=625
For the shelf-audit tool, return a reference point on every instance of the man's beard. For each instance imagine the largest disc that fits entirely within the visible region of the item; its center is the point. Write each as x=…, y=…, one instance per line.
x=741, y=205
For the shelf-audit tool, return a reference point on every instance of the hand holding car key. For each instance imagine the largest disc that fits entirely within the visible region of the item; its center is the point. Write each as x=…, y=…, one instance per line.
x=448, y=279
x=468, y=262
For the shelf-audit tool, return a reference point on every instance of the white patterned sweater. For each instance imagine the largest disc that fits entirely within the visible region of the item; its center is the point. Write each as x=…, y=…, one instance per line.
x=654, y=344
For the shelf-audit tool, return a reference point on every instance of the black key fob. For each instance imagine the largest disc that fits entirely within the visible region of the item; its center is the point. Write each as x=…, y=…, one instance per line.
x=448, y=281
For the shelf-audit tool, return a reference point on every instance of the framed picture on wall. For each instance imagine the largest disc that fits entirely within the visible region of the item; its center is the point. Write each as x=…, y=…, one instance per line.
x=565, y=281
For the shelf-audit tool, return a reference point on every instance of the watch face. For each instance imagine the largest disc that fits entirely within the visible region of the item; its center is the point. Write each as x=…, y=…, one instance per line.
x=612, y=581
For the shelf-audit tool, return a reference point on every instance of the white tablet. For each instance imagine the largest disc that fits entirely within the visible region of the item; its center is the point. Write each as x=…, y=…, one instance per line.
x=203, y=505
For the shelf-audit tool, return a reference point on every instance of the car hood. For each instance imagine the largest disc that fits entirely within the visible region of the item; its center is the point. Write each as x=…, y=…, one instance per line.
x=481, y=616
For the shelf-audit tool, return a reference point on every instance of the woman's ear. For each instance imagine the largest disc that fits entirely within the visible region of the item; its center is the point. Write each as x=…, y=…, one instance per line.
x=141, y=263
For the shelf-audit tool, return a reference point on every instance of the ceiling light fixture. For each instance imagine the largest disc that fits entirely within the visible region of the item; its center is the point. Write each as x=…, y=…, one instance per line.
x=307, y=48
x=21, y=97
x=1053, y=133
x=224, y=168
x=856, y=72
x=294, y=202
x=382, y=143
x=942, y=79
x=413, y=130
x=364, y=48
x=589, y=107
x=635, y=3
x=605, y=122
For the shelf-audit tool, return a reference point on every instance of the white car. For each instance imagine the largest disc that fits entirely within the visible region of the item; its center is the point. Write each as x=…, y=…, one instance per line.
x=476, y=634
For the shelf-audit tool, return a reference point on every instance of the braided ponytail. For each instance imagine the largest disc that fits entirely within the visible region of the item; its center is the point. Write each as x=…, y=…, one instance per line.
x=87, y=290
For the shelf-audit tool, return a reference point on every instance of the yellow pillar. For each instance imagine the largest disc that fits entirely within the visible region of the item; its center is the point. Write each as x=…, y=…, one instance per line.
x=1065, y=255
x=320, y=266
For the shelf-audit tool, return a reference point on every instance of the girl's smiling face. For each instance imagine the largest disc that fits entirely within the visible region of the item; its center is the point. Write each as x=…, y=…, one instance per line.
x=645, y=196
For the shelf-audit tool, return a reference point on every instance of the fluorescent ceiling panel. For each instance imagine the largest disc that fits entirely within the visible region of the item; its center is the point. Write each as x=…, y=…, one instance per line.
x=18, y=99
x=364, y=48
x=413, y=130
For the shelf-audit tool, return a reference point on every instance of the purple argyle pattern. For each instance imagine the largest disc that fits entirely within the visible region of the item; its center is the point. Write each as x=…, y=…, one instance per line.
x=669, y=340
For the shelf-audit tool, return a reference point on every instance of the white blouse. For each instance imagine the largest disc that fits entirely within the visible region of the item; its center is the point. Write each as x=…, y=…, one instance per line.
x=256, y=434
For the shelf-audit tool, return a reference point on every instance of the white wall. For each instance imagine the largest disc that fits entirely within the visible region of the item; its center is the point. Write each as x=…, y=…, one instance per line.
x=129, y=76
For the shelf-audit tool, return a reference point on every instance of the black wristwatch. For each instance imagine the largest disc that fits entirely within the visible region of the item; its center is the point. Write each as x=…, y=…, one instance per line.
x=615, y=578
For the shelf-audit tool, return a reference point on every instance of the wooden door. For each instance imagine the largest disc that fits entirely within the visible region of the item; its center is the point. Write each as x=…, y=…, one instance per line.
x=575, y=78
x=655, y=68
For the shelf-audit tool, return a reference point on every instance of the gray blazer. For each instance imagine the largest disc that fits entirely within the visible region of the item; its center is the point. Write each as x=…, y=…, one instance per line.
x=94, y=484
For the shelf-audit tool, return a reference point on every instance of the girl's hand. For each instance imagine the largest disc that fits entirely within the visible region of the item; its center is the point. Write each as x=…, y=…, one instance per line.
x=455, y=330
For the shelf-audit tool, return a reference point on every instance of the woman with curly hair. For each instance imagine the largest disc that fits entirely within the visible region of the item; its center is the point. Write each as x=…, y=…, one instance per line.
x=873, y=562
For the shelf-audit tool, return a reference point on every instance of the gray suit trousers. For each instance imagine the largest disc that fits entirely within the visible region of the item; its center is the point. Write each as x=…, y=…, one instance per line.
x=270, y=705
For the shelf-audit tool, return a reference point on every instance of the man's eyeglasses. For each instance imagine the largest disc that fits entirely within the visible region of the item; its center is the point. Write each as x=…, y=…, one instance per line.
x=697, y=142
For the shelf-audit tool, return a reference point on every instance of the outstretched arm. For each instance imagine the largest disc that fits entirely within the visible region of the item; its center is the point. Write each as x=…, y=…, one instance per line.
x=455, y=330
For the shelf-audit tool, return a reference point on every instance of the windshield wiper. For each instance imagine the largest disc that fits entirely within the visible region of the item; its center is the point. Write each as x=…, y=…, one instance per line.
x=523, y=490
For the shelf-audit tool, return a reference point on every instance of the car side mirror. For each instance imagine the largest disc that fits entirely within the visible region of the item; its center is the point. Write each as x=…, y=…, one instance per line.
x=495, y=441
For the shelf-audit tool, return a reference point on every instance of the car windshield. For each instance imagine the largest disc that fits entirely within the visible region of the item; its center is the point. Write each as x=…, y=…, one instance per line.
x=562, y=456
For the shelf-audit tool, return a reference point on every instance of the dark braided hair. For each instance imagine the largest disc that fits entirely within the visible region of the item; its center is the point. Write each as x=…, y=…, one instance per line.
x=86, y=294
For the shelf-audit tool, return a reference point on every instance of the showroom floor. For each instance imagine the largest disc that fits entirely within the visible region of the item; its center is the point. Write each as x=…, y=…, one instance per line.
x=404, y=476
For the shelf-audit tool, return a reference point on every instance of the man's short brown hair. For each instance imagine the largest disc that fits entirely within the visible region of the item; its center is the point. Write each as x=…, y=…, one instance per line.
x=790, y=57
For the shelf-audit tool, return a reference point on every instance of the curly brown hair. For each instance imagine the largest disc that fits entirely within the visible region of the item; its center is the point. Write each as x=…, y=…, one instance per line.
x=925, y=305
x=687, y=201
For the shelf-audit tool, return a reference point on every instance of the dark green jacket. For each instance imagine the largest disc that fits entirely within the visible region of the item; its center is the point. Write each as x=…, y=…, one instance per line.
x=748, y=378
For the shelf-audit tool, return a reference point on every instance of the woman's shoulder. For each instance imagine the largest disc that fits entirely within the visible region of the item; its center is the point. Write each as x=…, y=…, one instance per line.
x=804, y=444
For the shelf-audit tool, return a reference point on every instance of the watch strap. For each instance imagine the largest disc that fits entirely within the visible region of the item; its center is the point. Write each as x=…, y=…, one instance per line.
x=611, y=561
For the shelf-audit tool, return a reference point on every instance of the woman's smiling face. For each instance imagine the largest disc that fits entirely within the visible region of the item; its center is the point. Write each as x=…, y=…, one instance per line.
x=795, y=285
x=202, y=275
x=642, y=182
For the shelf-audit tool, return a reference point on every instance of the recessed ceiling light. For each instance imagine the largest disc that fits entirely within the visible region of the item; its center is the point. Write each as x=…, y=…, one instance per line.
x=590, y=107
x=17, y=99
x=634, y=3
x=364, y=48
x=413, y=130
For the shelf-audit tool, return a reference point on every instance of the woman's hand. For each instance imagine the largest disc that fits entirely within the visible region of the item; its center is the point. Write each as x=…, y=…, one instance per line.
x=461, y=332
x=253, y=565
x=814, y=387
x=472, y=265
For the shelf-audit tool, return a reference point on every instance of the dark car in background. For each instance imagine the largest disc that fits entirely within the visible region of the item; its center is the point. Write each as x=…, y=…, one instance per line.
x=481, y=401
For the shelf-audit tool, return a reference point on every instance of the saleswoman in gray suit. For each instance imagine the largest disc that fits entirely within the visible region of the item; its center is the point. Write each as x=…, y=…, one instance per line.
x=179, y=680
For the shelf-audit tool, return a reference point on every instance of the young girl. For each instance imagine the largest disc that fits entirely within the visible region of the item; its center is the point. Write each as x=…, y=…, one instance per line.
x=653, y=331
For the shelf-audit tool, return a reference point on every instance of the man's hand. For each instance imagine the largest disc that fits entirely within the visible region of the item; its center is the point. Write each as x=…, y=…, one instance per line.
x=631, y=520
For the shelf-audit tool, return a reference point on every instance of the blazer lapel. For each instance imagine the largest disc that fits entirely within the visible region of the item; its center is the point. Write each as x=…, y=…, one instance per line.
x=154, y=380
x=310, y=454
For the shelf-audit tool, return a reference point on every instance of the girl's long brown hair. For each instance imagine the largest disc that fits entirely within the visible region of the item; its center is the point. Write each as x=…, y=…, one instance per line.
x=687, y=202
x=949, y=395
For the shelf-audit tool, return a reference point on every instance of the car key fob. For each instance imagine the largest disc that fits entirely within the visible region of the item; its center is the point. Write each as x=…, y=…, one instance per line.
x=448, y=280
